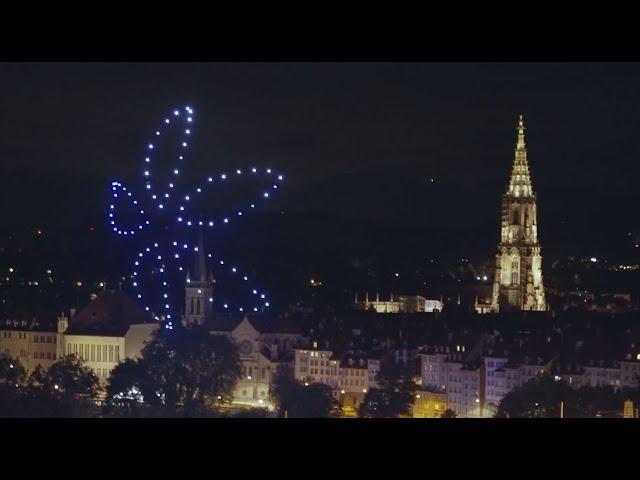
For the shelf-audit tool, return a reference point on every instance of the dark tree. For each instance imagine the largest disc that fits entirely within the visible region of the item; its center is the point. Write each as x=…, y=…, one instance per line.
x=448, y=413
x=394, y=395
x=300, y=400
x=12, y=376
x=539, y=398
x=11, y=370
x=70, y=377
x=67, y=389
x=181, y=371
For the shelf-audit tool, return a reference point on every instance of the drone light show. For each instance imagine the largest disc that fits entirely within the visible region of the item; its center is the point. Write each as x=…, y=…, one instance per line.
x=168, y=214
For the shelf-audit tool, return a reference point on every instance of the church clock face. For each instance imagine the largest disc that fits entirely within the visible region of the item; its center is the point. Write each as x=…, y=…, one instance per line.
x=245, y=347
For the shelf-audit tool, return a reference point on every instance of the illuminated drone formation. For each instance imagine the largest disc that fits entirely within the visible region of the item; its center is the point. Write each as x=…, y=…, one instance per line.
x=164, y=203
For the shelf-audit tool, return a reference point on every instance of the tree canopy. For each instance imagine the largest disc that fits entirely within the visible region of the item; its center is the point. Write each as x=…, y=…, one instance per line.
x=393, y=396
x=181, y=371
x=541, y=397
x=299, y=400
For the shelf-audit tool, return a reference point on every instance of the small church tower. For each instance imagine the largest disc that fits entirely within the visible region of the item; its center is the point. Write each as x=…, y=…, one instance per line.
x=518, y=276
x=198, y=290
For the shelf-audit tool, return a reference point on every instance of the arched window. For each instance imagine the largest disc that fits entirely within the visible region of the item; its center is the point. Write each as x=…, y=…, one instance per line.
x=515, y=216
x=515, y=272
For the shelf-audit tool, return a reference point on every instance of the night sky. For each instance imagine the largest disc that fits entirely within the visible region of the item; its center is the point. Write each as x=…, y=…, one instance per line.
x=356, y=140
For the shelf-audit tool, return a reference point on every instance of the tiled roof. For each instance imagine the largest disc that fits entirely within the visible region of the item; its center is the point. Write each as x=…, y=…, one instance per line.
x=110, y=314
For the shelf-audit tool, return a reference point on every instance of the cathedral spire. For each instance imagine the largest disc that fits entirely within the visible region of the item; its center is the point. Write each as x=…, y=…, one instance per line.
x=520, y=182
x=200, y=272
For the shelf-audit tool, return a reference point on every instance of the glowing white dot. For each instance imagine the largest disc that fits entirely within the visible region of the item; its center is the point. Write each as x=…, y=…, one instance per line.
x=150, y=146
x=238, y=171
x=146, y=173
x=188, y=119
x=187, y=198
x=226, y=220
x=147, y=159
x=233, y=270
x=176, y=112
x=266, y=194
x=184, y=144
x=268, y=170
x=160, y=206
x=210, y=179
x=211, y=224
x=157, y=133
x=223, y=176
x=254, y=170
x=279, y=177
x=166, y=120
x=176, y=172
x=187, y=131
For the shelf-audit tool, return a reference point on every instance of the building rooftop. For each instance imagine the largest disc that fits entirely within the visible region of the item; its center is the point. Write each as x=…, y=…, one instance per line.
x=109, y=314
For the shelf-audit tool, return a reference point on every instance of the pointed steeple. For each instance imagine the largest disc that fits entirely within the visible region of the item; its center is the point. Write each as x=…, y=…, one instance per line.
x=200, y=271
x=520, y=182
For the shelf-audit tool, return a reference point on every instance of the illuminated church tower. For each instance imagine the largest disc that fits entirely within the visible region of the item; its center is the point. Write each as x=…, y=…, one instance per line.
x=518, y=277
x=198, y=290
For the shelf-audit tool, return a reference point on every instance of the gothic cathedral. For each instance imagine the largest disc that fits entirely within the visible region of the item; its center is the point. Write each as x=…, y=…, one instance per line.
x=518, y=277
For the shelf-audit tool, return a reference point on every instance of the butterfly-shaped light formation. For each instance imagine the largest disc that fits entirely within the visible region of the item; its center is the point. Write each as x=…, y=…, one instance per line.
x=161, y=208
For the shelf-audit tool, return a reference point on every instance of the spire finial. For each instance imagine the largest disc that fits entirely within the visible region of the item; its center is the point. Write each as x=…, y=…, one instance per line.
x=521, y=129
x=200, y=273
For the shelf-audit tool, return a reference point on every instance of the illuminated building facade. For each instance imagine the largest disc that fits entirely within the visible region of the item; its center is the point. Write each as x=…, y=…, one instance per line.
x=398, y=304
x=429, y=404
x=349, y=376
x=518, y=277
